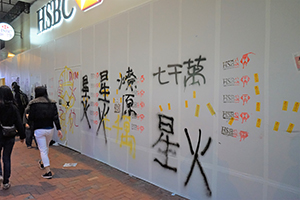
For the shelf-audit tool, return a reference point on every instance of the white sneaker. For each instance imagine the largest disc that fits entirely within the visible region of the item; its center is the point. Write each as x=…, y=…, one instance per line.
x=1, y=178
x=6, y=186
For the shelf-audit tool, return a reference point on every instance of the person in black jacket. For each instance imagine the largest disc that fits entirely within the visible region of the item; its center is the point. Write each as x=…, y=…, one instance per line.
x=28, y=130
x=20, y=98
x=9, y=116
x=42, y=114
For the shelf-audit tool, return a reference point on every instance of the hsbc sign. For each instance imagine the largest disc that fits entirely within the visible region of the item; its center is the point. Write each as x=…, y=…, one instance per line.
x=55, y=11
x=52, y=14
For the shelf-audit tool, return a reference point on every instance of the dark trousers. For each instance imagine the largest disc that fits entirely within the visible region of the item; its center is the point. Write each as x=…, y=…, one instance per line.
x=29, y=137
x=6, y=147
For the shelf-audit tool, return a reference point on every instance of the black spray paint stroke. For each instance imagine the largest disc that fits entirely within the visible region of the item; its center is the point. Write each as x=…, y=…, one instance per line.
x=164, y=126
x=85, y=89
x=209, y=193
x=101, y=118
x=85, y=108
x=194, y=70
x=166, y=153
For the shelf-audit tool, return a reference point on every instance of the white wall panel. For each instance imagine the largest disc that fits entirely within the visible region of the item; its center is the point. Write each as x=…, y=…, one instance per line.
x=165, y=108
x=101, y=149
x=118, y=59
x=276, y=193
x=242, y=44
x=61, y=52
x=283, y=150
x=234, y=187
x=74, y=49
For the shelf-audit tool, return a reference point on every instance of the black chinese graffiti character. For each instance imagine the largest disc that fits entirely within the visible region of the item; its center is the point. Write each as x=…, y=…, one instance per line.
x=121, y=81
x=85, y=97
x=104, y=89
x=175, y=71
x=128, y=100
x=104, y=92
x=159, y=73
x=194, y=70
x=102, y=115
x=130, y=79
x=104, y=76
x=195, y=160
x=166, y=125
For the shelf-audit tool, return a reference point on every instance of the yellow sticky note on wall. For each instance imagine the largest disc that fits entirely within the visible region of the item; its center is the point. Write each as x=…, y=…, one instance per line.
x=258, y=106
x=161, y=109
x=194, y=94
x=285, y=105
x=258, y=123
x=290, y=128
x=296, y=107
x=256, y=90
x=276, y=126
x=197, y=110
x=211, y=110
x=231, y=121
x=186, y=104
x=256, y=78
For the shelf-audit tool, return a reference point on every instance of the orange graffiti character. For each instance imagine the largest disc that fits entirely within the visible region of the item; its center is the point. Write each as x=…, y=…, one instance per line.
x=245, y=80
x=243, y=135
x=245, y=116
x=245, y=98
x=245, y=59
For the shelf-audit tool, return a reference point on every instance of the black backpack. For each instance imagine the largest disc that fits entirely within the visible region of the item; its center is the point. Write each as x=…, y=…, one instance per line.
x=24, y=99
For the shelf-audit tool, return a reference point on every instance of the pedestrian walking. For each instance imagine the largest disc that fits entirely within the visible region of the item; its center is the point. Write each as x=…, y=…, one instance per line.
x=9, y=118
x=42, y=114
x=28, y=130
x=20, y=98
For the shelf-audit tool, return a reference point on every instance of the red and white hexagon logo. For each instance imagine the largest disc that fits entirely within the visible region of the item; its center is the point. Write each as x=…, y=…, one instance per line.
x=86, y=4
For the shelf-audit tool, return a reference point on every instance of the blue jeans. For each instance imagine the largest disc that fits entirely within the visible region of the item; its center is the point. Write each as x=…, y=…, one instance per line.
x=29, y=137
x=6, y=144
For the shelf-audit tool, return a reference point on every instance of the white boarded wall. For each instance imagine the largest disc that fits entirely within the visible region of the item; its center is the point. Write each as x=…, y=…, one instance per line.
x=136, y=90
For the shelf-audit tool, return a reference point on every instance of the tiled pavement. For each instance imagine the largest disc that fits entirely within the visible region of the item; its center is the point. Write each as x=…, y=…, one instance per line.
x=90, y=179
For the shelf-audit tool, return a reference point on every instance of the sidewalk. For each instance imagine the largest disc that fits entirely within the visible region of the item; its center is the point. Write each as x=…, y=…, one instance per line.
x=90, y=179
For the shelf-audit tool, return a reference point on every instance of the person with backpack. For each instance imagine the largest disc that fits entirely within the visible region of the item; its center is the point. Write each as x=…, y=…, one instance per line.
x=20, y=97
x=21, y=100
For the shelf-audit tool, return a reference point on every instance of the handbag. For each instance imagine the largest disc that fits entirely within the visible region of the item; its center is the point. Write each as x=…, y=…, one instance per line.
x=9, y=131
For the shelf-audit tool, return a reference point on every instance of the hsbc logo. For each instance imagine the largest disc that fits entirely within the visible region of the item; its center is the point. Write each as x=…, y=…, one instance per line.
x=88, y=4
x=55, y=11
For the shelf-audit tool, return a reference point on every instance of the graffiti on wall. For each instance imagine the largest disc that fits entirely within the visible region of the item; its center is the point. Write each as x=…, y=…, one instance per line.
x=196, y=158
x=166, y=129
x=194, y=71
x=104, y=101
x=85, y=98
x=126, y=109
x=66, y=99
x=123, y=136
x=244, y=115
